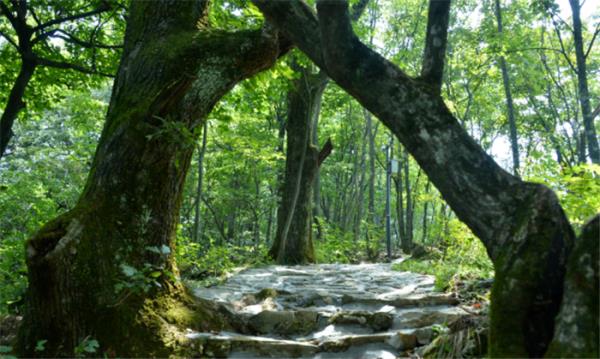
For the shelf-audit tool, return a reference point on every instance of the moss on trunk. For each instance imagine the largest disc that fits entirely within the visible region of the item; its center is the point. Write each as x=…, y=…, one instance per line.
x=530, y=269
x=577, y=331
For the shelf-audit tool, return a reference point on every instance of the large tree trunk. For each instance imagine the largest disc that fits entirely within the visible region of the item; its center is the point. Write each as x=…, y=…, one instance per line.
x=293, y=238
x=522, y=225
x=105, y=269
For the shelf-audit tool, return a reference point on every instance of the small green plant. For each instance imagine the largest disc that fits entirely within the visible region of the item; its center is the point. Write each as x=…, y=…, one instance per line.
x=5, y=351
x=87, y=346
x=141, y=280
x=40, y=345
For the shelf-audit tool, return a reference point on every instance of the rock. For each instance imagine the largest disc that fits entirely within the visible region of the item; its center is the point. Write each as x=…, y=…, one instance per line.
x=424, y=335
x=9, y=327
x=415, y=300
x=381, y=321
x=343, y=343
x=423, y=318
x=402, y=341
x=283, y=322
x=378, y=321
x=226, y=345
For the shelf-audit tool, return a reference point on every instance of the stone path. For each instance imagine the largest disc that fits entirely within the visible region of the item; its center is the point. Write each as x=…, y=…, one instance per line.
x=327, y=311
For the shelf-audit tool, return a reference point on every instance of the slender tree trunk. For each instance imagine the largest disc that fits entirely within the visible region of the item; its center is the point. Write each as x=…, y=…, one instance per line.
x=581, y=146
x=584, y=93
x=105, y=269
x=360, y=198
x=425, y=213
x=400, y=205
x=371, y=182
x=522, y=225
x=315, y=142
x=197, y=234
x=407, y=243
x=510, y=110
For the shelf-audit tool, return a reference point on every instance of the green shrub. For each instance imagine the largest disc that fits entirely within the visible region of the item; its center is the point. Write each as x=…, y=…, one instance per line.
x=463, y=257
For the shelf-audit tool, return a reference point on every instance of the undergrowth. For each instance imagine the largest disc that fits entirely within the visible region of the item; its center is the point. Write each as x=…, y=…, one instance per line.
x=460, y=257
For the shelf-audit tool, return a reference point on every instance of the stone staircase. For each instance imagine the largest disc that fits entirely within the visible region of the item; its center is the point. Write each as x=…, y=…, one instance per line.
x=327, y=311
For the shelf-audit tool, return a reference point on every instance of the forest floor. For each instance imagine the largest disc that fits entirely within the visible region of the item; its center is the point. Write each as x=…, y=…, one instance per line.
x=342, y=311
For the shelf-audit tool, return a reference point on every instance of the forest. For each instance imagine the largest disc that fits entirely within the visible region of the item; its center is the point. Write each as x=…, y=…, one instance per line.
x=299, y=178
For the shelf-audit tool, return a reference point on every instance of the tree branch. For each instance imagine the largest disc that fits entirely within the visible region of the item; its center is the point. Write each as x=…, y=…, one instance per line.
x=596, y=112
x=358, y=9
x=8, y=14
x=70, y=66
x=63, y=35
x=100, y=9
x=325, y=152
x=592, y=41
x=436, y=39
x=301, y=25
x=11, y=41
x=562, y=45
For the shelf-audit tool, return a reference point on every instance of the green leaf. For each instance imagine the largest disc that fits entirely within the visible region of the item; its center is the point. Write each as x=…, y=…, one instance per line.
x=128, y=270
x=91, y=346
x=40, y=345
x=165, y=249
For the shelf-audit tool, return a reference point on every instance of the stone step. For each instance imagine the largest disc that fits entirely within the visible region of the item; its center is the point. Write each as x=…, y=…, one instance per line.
x=417, y=300
x=224, y=345
x=284, y=322
x=231, y=345
x=327, y=311
x=398, y=340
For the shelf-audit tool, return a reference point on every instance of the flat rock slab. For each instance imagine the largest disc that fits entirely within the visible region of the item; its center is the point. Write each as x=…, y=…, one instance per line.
x=327, y=311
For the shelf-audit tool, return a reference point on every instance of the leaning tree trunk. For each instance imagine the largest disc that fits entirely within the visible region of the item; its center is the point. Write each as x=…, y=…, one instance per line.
x=522, y=225
x=105, y=269
x=293, y=240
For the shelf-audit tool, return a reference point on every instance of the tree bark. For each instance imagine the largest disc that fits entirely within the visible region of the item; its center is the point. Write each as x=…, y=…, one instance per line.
x=293, y=238
x=577, y=325
x=105, y=269
x=523, y=227
x=584, y=92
